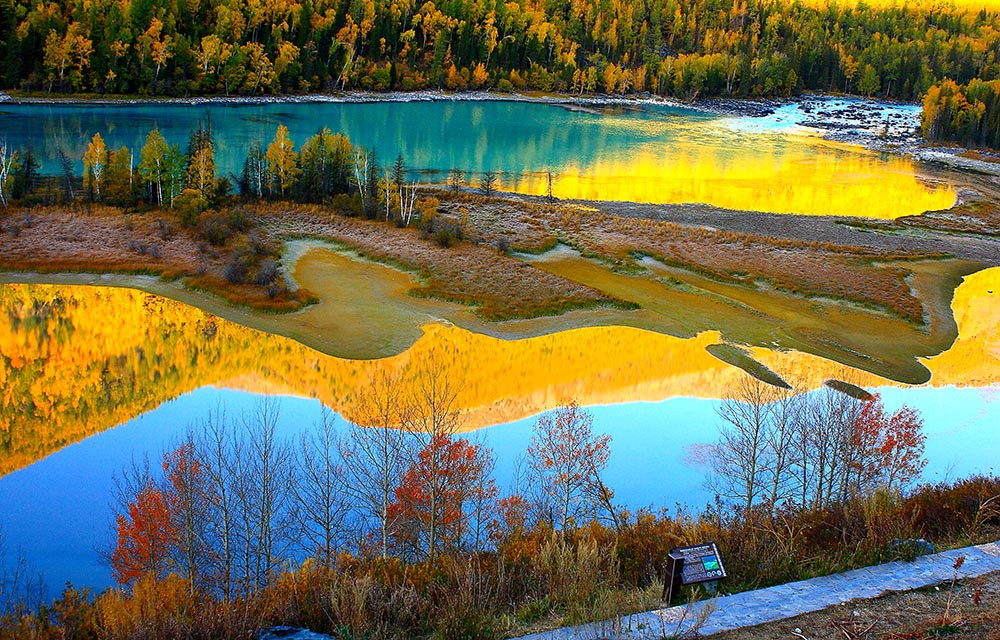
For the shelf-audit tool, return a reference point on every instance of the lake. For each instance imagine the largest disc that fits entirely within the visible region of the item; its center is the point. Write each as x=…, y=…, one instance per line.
x=649, y=153
x=93, y=377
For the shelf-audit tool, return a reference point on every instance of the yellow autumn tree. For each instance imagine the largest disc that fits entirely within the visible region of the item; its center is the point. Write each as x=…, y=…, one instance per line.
x=281, y=161
x=453, y=79
x=94, y=161
x=201, y=162
x=479, y=76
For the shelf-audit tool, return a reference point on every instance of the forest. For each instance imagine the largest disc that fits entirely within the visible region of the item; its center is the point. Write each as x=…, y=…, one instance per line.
x=968, y=114
x=682, y=48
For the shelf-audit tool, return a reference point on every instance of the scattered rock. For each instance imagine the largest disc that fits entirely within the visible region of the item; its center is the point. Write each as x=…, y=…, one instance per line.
x=290, y=633
x=912, y=547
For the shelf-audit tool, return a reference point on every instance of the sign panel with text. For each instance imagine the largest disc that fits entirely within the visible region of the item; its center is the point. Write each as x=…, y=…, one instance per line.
x=692, y=565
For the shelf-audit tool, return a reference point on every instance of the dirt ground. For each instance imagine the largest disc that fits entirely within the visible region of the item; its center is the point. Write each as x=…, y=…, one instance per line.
x=969, y=611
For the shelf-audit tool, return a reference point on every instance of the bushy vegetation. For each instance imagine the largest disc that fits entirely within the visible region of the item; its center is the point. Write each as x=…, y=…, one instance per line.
x=394, y=528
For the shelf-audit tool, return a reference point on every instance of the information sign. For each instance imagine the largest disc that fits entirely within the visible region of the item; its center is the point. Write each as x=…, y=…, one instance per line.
x=692, y=565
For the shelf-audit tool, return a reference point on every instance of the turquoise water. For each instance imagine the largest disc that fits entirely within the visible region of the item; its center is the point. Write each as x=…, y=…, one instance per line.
x=650, y=153
x=649, y=465
x=433, y=137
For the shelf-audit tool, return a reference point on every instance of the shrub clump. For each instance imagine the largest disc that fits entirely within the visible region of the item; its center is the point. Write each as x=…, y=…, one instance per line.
x=443, y=230
x=255, y=260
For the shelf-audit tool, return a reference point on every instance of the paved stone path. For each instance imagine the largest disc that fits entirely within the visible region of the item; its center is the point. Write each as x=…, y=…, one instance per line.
x=785, y=601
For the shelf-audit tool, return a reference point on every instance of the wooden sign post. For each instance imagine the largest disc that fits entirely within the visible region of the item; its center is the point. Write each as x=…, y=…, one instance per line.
x=691, y=565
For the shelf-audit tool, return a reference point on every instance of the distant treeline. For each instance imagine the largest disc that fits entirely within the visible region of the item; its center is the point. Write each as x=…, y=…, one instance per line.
x=685, y=48
x=968, y=114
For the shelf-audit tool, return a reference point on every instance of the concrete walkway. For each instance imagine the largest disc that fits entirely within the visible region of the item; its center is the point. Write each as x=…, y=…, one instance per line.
x=785, y=601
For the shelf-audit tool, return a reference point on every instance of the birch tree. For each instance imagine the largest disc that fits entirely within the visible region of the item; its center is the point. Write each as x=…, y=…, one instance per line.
x=200, y=174
x=281, y=162
x=94, y=161
x=153, y=165
x=216, y=454
x=566, y=458
x=385, y=186
x=320, y=490
x=263, y=494
x=376, y=452
x=361, y=175
x=8, y=160
x=407, y=202
x=188, y=498
x=739, y=461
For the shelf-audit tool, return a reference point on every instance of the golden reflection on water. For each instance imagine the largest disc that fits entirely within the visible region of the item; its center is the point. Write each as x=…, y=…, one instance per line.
x=974, y=359
x=758, y=172
x=78, y=360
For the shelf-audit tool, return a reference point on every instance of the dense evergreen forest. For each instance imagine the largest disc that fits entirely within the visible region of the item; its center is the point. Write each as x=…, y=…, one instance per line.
x=684, y=48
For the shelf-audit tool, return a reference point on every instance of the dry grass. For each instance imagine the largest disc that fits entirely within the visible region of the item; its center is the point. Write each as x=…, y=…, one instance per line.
x=499, y=286
x=805, y=269
x=521, y=226
x=980, y=217
x=61, y=238
x=475, y=273
x=102, y=239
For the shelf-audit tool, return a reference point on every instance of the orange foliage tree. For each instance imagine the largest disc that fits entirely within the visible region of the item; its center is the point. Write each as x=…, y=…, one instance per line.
x=188, y=497
x=163, y=528
x=889, y=449
x=445, y=497
x=145, y=536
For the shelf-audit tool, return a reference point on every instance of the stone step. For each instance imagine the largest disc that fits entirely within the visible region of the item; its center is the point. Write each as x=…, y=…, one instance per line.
x=751, y=608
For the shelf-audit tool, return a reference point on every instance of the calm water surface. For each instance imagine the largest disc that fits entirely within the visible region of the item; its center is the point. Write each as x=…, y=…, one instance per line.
x=62, y=503
x=92, y=378
x=650, y=154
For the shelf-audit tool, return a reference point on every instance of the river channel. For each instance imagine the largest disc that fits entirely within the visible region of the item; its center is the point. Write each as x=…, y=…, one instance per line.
x=638, y=153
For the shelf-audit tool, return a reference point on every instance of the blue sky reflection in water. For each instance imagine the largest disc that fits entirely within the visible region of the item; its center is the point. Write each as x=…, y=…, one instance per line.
x=62, y=502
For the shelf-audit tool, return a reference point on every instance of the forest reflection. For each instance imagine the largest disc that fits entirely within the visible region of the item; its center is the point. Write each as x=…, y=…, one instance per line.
x=78, y=360
x=762, y=177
